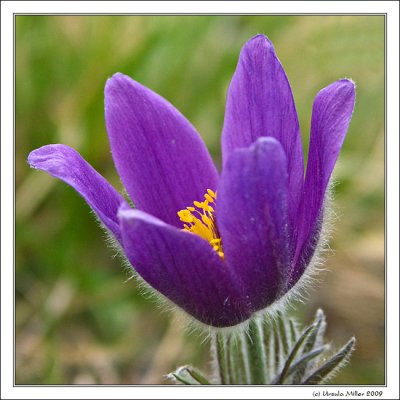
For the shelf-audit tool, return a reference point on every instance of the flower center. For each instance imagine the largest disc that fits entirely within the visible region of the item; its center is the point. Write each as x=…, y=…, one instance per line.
x=200, y=220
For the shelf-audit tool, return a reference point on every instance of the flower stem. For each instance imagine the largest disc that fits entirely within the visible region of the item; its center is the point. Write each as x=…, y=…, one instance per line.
x=270, y=352
x=241, y=357
x=275, y=352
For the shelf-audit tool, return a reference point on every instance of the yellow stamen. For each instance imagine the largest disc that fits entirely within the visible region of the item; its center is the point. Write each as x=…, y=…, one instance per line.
x=211, y=193
x=204, y=225
x=208, y=197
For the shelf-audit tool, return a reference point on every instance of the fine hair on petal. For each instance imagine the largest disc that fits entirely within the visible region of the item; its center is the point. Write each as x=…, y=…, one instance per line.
x=298, y=293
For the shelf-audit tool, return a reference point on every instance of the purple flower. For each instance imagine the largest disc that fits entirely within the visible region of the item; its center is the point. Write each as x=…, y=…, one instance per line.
x=221, y=247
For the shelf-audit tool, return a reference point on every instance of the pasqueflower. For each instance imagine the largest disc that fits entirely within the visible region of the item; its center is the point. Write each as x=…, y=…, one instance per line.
x=220, y=246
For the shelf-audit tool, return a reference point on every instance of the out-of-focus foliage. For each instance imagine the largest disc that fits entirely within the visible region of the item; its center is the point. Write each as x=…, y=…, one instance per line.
x=78, y=317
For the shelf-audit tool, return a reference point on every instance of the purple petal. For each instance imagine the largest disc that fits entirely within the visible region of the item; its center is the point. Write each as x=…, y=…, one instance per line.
x=332, y=111
x=65, y=163
x=252, y=219
x=184, y=268
x=260, y=103
x=162, y=161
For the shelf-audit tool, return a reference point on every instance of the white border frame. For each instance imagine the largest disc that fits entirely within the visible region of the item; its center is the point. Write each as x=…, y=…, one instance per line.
x=9, y=8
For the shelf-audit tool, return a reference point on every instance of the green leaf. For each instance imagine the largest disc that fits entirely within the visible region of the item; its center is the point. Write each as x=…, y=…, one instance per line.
x=188, y=375
x=238, y=363
x=338, y=361
x=222, y=357
x=296, y=349
x=274, y=351
x=256, y=353
x=315, y=339
x=304, y=360
x=270, y=349
x=198, y=376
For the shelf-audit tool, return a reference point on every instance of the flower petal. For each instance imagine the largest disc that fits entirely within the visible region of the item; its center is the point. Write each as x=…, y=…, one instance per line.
x=252, y=219
x=260, y=103
x=65, y=163
x=332, y=111
x=162, y=161
x=183, y=267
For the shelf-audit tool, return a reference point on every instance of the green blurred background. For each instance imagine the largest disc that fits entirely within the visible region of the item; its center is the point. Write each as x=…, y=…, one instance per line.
x=78, y=317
